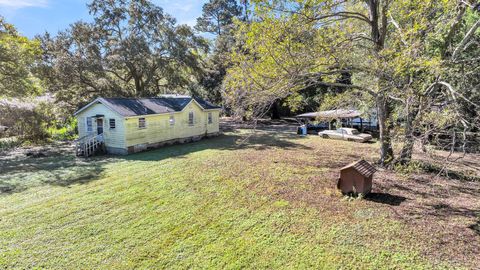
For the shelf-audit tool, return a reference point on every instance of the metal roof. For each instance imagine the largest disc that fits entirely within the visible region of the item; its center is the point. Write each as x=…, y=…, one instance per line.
x=332, y=114
x=206, y=105
x=145, y=106
x=363, y=167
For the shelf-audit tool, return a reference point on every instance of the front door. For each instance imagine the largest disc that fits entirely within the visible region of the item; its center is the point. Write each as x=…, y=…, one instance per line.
x=99, y=126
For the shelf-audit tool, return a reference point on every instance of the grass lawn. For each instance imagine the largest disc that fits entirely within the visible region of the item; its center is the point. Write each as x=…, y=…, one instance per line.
x=266, y=201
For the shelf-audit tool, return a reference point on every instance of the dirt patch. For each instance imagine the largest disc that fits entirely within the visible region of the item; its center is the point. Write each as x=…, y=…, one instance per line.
x=442, y=215
x=443, y=211
x=462, y=166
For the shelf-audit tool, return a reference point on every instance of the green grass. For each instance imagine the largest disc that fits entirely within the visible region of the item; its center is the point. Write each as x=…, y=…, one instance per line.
x=269, y=202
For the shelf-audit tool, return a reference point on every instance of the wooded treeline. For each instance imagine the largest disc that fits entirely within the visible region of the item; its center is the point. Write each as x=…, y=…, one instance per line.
x=415, y=63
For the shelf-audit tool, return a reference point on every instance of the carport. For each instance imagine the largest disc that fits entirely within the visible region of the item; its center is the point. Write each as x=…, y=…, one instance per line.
x=329, y=116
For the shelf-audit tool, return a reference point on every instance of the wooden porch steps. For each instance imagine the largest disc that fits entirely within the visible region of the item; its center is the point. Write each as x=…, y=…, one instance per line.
x=90, y=145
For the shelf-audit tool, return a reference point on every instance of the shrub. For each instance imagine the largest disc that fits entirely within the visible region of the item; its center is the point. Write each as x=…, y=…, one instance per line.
x=26, y=119
x=9, y=143
x=64, y=131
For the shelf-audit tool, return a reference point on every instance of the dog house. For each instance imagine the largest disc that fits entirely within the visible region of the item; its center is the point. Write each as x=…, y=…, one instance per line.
x=356, y=178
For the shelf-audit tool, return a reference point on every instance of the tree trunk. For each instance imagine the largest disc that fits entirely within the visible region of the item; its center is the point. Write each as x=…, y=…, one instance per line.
x=138, y=86
x=275, y=110
x=386, y=150
x=407, y=148
x=378, y=35
x=245, y=7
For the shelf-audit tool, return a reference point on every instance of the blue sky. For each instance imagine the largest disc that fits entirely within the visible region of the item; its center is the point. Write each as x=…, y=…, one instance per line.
x=33, y=17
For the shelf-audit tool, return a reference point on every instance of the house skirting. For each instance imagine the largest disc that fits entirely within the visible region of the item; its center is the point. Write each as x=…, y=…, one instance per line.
x=116, y=150
x=150, y=146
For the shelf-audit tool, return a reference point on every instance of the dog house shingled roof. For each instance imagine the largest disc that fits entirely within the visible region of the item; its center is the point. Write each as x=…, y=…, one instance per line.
x=361, y=166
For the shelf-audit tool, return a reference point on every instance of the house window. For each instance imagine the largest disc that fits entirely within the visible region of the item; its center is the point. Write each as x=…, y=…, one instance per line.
x=89, y=124
x=112, y=123
x=171, y=120
x=190, y=118
x=141, y=123
x=210, y=120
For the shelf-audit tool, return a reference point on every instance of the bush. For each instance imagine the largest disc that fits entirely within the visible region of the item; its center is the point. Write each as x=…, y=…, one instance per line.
x=64, y=131
x=413, y=167
x=25, y=119
x=36, y=120
x=9, y=143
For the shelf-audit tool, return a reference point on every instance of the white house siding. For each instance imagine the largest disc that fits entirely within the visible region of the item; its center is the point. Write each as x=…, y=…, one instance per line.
x=114, y=138
x=128, y=137
x=214, y=127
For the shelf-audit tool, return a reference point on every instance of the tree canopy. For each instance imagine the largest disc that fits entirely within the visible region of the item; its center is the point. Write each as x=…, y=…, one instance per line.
x=132, y=48
x=400, y=55
x=217, y=16
x=18, y=56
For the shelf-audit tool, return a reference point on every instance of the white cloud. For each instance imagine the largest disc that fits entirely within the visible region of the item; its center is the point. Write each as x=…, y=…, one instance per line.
x=15, y=4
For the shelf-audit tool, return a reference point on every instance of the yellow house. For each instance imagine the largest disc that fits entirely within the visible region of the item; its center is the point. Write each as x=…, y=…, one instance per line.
x=129, y=125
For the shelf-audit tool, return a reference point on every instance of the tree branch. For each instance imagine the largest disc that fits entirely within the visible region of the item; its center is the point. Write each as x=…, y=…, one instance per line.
x=453, y=29
x=465, y=40
x=352, y=86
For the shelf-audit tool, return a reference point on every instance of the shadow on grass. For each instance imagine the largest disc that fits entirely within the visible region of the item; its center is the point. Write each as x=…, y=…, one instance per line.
x=225, y=142
x=385, y=198
x=62, y=168
x=447, y=211
x=437, y=169
x=370, y=142
x=20, y=173
x=475, y=227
